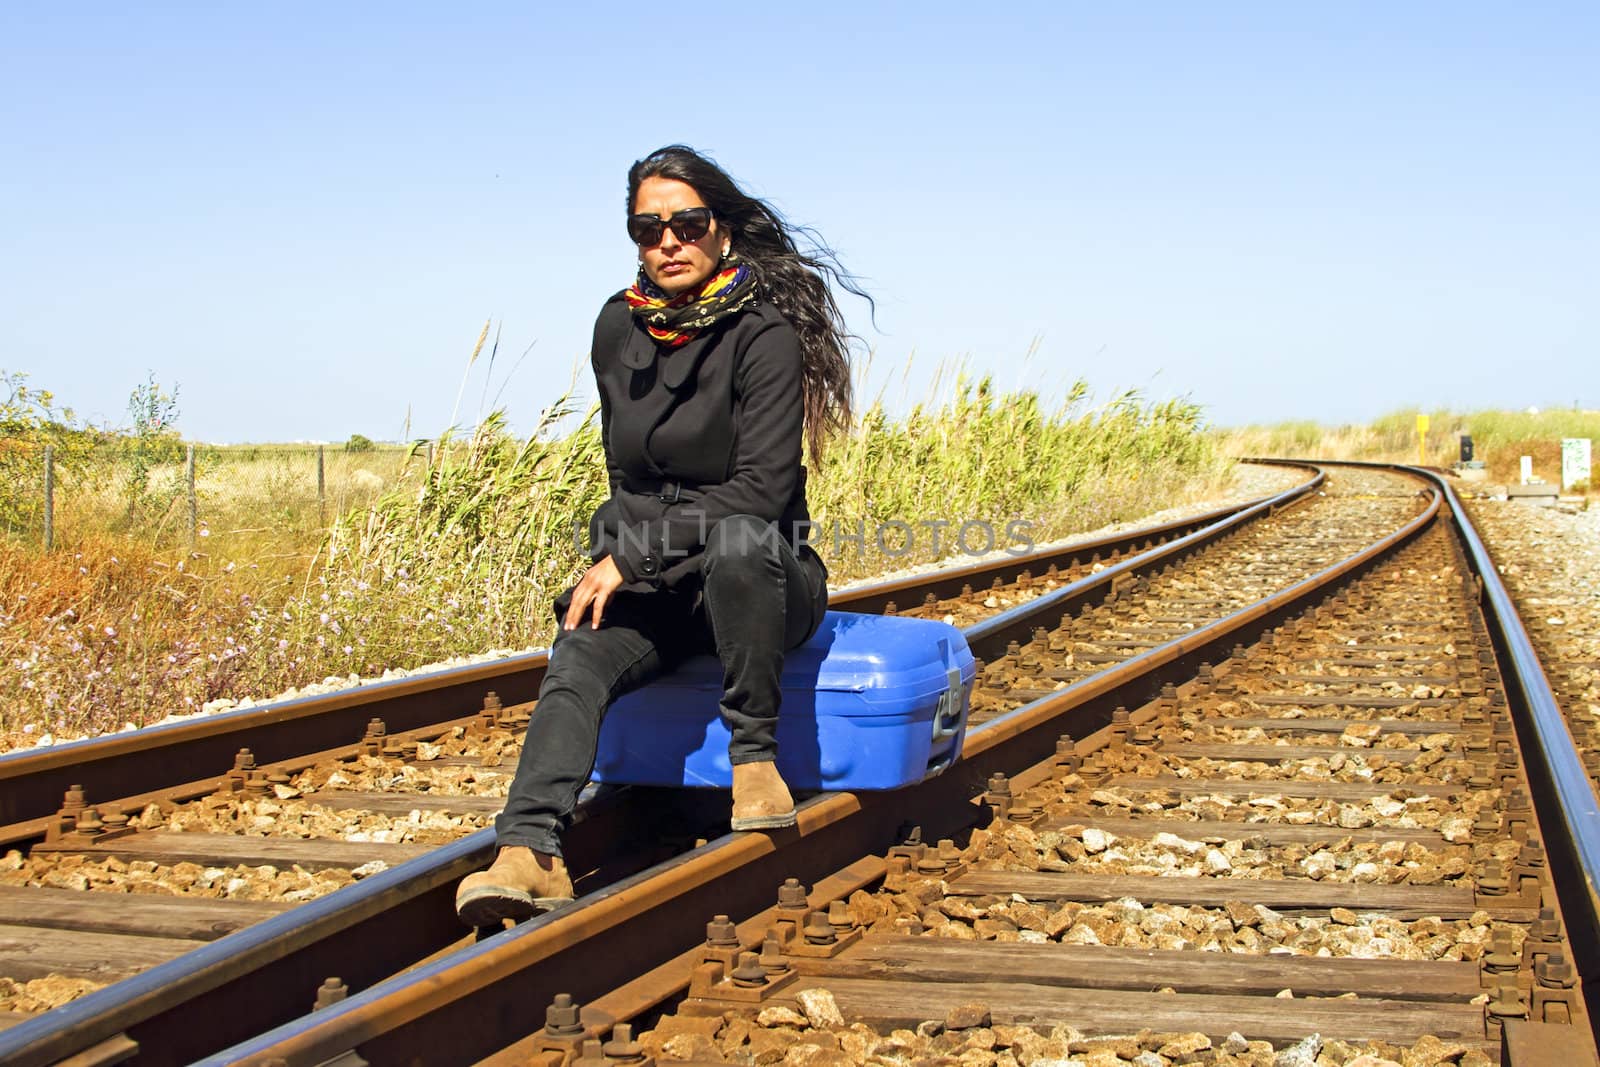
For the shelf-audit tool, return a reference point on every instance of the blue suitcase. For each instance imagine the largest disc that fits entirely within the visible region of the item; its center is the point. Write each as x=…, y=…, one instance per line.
x=869, y=702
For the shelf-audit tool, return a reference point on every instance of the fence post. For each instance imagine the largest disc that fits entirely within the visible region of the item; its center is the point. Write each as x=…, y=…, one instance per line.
x=194, y=507
x=322, y=491
x=49, y=497
x=430, y=455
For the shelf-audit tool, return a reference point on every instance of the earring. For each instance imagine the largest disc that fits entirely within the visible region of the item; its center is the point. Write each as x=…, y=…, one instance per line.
x=725, y=250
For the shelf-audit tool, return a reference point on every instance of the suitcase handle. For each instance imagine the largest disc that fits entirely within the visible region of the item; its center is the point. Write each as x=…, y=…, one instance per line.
x=951, y=711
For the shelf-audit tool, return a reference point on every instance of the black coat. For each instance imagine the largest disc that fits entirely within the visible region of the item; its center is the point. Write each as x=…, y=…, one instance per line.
x=693, y=435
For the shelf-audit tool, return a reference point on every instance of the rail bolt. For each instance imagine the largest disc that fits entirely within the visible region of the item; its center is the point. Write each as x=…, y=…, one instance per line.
x=930, y=601
x=330, y=992
x=891, y=608
x=73, y=801
x=749, y=973
x=1507, y=1003
x=721, y=933
x=999, y=785
x=1502, y=958
x=791, y=895
x=771, y=958
x=1554, y=972
x=818, y=931
x=561, y=1017
x=622, y=1047
x=1022, y=813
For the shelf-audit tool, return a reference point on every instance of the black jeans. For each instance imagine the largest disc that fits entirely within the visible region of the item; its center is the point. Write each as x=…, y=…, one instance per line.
x=754, y=601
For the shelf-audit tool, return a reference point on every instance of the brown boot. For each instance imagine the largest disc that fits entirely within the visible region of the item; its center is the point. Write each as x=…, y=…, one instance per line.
x=760, y=799
x=519, y=885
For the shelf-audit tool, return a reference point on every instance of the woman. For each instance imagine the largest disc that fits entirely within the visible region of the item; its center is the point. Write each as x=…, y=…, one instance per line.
x=727, y=349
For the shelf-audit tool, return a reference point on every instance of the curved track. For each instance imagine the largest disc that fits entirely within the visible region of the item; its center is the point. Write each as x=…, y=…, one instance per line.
x=1369, y=690
x=392, y=918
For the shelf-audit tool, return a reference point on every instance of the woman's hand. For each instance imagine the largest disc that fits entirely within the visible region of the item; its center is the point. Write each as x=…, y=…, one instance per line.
x=594, y=589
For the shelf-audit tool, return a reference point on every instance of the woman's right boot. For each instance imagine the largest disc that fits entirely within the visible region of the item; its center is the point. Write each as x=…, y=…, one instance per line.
x=520, y=884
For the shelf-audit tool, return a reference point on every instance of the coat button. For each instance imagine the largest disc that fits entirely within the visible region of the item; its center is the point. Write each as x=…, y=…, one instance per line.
x=648, y=565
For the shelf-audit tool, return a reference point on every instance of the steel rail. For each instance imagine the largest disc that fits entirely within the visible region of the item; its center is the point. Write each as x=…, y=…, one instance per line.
x=462, y=1007
x=1558, y=772
x=404, y=914
x=162, y=759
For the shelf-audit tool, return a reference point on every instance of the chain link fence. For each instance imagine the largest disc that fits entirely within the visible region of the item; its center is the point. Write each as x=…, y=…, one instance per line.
x=193, y=494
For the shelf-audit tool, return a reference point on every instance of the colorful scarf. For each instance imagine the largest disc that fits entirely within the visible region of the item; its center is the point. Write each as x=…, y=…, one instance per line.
x=675, y=321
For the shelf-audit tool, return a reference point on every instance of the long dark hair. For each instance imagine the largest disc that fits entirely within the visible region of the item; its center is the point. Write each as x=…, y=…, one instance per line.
x=795, y=281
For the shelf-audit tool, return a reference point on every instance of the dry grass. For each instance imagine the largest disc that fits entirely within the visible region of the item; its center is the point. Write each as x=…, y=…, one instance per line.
x=1500, y=439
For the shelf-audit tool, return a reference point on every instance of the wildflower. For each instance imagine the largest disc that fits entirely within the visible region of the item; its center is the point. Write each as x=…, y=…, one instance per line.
x=111, y=631
x=323, y=618
x=204, y=532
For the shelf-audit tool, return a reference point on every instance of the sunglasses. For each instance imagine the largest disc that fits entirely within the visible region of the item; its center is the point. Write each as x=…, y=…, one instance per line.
x=689, y=225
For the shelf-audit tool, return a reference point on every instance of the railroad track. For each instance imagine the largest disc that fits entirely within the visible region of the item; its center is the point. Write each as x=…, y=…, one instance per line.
x=1343, y=810
x=295, y=857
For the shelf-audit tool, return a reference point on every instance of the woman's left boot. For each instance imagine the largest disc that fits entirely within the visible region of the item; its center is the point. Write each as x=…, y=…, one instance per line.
x=760, y=799
x=520, y=884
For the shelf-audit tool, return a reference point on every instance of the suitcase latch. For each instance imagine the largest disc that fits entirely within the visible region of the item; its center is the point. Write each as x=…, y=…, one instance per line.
x=950, y=711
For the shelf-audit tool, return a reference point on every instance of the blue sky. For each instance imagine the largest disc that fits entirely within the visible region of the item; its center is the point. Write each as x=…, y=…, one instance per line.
x=302, y=214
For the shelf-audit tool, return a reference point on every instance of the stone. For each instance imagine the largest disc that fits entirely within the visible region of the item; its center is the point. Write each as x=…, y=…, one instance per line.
x=820, y=1009
x=1058, y=922
x=809, y=1055
x=767, y=1046
x=1430, y=1050
x=690, y=1046
x=1302, y=1053
x=967, y=1016
x=990, y=929
x=1185, y=1045
x=1235, y=1044
x=1173, y=841
x=1096, y=840
x=780, y=1015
